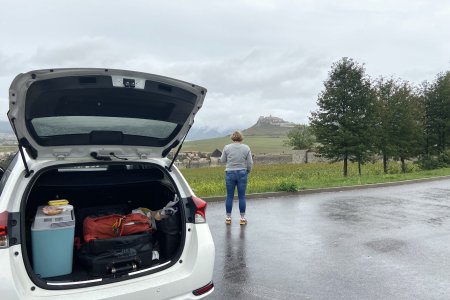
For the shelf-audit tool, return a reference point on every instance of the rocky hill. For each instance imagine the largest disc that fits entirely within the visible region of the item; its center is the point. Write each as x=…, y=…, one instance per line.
x=269, y=126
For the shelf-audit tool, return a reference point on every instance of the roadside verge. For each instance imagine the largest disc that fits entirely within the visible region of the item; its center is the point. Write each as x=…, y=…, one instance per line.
x=328, y=190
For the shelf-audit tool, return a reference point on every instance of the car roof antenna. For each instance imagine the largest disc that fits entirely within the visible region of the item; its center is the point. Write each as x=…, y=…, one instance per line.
x=178, y=150
x=27, y=170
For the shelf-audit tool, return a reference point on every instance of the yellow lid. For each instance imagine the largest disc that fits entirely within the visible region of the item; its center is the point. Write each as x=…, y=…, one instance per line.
x=58, y=202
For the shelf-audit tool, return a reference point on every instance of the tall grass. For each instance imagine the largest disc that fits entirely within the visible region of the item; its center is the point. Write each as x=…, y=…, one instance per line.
x=291, y=177
x=258, y=144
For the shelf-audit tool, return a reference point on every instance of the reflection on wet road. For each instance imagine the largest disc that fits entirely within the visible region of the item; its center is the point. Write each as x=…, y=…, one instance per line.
x=378, y=243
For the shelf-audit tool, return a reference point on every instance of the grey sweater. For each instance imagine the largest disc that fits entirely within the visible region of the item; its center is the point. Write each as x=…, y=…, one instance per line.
x=237, y=157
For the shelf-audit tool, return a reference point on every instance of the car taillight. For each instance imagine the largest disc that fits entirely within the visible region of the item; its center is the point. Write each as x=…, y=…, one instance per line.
x=4, y=229
x=200, y=212
x=203, y=289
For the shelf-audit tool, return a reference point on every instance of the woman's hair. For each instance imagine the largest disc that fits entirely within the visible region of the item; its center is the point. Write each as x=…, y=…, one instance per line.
x=237, y=136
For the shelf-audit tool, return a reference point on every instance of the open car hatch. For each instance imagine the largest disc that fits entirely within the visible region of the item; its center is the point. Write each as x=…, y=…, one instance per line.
x=95, y=113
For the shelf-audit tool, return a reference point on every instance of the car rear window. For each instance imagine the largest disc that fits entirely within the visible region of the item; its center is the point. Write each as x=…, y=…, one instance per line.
x=54, y=126
x=75, y=111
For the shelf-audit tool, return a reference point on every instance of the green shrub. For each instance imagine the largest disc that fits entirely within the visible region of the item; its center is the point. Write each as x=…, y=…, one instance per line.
x=444, y=158
x=430, y=162
x=287, y=186
x=394, y=168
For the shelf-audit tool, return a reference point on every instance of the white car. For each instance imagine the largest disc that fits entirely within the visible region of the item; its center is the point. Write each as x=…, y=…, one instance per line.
x=100, y=138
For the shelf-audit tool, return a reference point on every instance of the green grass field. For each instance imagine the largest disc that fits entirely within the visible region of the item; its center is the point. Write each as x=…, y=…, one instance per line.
x=292, y=177
x=8, y=148
x=258, y=144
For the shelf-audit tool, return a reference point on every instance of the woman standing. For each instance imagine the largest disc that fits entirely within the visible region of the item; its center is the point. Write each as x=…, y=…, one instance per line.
x=239, y=163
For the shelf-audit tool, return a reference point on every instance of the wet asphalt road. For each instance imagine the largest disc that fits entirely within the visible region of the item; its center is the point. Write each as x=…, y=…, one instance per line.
x=377, y=243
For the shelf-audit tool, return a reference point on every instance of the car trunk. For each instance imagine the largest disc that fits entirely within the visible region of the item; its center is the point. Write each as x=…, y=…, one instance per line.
x=104, y=189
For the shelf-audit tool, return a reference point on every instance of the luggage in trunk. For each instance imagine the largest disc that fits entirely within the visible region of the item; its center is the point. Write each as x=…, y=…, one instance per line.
x=106, y=227
x=82, y=213
x=168, y=235
x=101, y=191
x=52, y=238
x=117, y=255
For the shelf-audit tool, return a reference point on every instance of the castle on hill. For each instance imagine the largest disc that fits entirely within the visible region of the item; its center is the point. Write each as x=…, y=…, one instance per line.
x=274, y=121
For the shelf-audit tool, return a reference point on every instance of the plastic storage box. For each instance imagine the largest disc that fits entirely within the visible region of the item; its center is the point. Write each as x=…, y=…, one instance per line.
x=52, y=242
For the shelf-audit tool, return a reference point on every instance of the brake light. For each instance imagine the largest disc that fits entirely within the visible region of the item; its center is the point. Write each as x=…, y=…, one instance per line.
x=203, y=289
x=4, y=229
x=200, y=212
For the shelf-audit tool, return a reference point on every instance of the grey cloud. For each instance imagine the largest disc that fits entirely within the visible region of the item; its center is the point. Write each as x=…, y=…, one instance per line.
x=10, y=63
x=245, y=87
x=224, y=112
x=256, y=57
x=87, y=51
x=271, y=74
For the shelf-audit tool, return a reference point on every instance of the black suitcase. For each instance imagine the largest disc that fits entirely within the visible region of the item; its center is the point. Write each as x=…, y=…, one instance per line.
x=117, y=255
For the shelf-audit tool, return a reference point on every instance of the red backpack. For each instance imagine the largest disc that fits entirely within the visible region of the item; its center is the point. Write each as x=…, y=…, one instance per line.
x=114, y=225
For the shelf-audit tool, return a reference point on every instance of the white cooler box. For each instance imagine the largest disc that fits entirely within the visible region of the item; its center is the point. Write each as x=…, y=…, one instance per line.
x=52, y=242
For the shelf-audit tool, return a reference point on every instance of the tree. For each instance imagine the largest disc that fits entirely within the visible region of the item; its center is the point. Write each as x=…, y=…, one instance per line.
x=300, y=137
x=398, y=126
x=344, y=122
x=384, y=90
x=436, y=101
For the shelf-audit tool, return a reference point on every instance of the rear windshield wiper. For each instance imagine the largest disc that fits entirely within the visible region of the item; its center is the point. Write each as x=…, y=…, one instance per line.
x=100, y=157
x=106, y=157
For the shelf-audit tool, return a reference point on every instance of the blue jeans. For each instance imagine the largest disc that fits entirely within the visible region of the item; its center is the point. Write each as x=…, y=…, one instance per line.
x=233, y=179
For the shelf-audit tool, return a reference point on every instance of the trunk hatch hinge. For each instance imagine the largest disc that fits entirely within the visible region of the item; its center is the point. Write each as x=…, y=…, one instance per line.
x=178, y=150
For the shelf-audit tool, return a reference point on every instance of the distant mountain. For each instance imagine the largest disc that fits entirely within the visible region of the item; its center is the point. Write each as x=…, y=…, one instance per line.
x=5, y=127
x=200, y=134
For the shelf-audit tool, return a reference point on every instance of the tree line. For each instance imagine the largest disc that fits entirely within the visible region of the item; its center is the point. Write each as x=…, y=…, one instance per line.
x=358, y=119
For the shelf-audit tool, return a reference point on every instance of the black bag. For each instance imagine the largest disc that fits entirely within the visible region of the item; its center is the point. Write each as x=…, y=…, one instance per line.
x=169, y=235
x=117, y=255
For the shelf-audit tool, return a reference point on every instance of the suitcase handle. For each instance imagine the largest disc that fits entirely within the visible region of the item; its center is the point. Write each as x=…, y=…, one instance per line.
x=124, y=268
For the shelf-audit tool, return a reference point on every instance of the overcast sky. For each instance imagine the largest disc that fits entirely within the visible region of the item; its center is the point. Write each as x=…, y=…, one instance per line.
x=255, y=57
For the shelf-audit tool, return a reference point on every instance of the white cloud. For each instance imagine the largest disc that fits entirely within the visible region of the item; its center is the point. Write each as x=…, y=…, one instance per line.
x=255, y=57
x=3, y=108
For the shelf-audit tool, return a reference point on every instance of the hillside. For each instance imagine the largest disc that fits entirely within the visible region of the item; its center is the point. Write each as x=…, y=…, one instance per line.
x=266, y=136
x=258, y=144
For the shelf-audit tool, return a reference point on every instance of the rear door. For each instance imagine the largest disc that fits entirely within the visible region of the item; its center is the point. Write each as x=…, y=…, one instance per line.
x=74, y=113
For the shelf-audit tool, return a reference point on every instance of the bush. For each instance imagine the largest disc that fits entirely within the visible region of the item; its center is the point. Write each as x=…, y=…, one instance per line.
x=444, y=158
x=287, y=186
x=394, y=168
x=429, y=162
